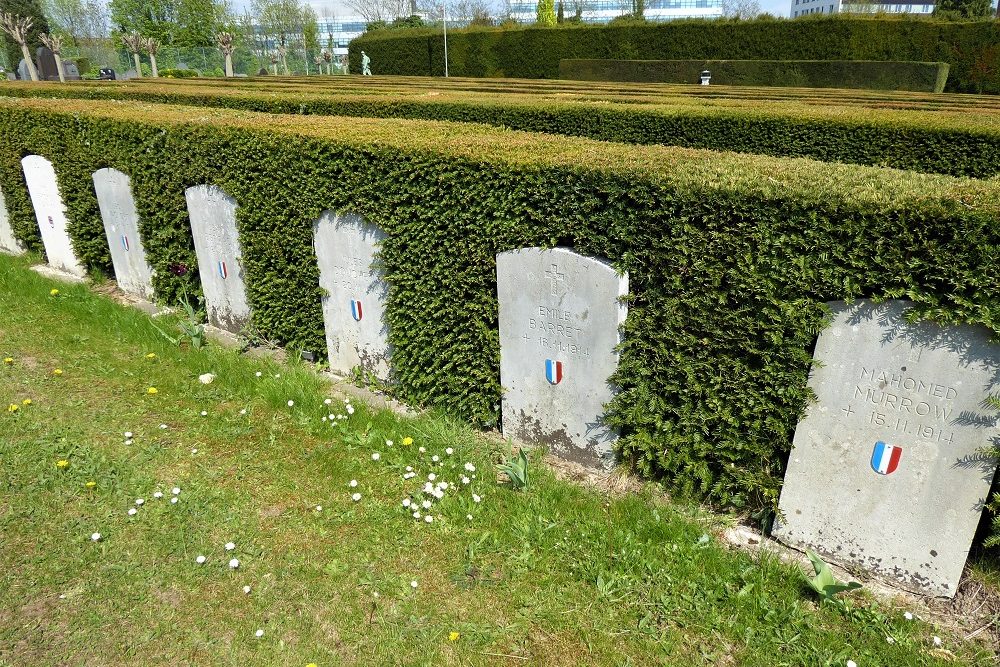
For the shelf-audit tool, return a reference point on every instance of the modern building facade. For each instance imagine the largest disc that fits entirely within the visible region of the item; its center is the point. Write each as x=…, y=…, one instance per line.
x=807, y=7
x=602, y=11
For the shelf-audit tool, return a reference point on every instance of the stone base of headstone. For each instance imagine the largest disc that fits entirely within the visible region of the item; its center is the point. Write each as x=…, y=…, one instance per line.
x=222, y=337
x=56, y=274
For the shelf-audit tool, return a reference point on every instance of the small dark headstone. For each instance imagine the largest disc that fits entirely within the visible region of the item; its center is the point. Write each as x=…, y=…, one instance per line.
x=262, y=72
x=106, y=74
x=47, y=70
x=71, y=70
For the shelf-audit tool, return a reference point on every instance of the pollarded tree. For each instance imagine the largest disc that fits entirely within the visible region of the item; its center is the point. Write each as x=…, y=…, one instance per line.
x=152, y=46
x=227, y=44
x=54, y=44
x=134, y=42
x=30, y=9
x=17, y=28
x=328, y=59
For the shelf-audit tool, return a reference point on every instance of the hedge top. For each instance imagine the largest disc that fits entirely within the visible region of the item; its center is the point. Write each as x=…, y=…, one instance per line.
x=687, y=169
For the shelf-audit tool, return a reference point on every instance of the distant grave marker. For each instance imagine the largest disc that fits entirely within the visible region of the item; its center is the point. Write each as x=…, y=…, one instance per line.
x=356, y=334
x=8, y=243
x=885, y=471
x=559, y=319
x=217, y=244
x=50, y=212
x=121, y=224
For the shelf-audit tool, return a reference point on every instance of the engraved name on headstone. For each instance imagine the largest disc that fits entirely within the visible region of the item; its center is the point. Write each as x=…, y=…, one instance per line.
x=121, y=224
x=560, y=314
x=40, y=176
x=217, y=244
x=885, y=471
x=8, y=243
x=354, y=293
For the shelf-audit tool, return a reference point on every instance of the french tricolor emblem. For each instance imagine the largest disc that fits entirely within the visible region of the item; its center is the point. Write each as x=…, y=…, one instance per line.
x=125, y=242
x=223, y=271
x=553, y=371
x=356, y=310
x=885, y=458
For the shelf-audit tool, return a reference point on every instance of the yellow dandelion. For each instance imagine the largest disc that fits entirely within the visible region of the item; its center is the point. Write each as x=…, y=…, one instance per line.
x=151, y=355
x=54, y=292
x=453, y=636
x=8, y=360
x=57, y=371
x=13, y=408
x=90, y=485
x=62, y=464
x=407, y=441
x=26, y=401
x=151, y=390
x=312, y=664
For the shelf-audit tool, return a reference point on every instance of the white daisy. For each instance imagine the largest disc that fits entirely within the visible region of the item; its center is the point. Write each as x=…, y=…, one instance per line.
x=356, y=497
x=158, y=494
x=258, y=373
x=234, y=563
x=409, y=468
x=128, y=442
x=194, y=450
x=332, y=417
x=426, y=504
x=449, y=451
x=246, y=590
x=422, y=450
x=908, y=616
x=132, y=512
x=163, y=426
x=350, y=409
x=200, y=560
x=230, y=546
x=443, y=485
x=429, y=519
x=937, y=640
x=439, y=494
x=469, y=517
x=416, y=515
x=328, y=401
x=465, y=480
x=176, y=490
x=388, y=443
x=206, y=378
x=173, y=501
x=259, y=633
x=851, y=663
x=376, y=456
x=291, y=403
x=128, y=435
x=470, y=467
x=406, y=502
x=435, y=458
x=140, y=502
x=432, y=477
x=413, y=584
x=243, y=411
x=353, y=483
x=476, y=498
x=204, y=413
x=428, y=488
x=95, y=537
x=319, y=508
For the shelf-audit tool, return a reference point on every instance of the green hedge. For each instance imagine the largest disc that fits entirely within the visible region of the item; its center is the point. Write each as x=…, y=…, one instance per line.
x=971, y=48
x=967, y=145
x=868, y=74
x=728, y=270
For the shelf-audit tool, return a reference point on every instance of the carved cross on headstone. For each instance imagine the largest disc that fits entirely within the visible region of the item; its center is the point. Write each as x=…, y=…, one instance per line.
x=555, y=277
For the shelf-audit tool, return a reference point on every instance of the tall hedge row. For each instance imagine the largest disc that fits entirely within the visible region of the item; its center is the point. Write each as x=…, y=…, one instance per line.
x=971, y=48
x=728, y=270
x=918, y=141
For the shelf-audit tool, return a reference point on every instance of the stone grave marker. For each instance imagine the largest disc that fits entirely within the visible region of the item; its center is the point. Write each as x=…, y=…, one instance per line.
x=356, y=334
x=8, y=243
x=46, y=60
x=559, y=319
x=50, y=212
x=217, y=244
x=121, y=225
x=71, y=70
x=884, y=471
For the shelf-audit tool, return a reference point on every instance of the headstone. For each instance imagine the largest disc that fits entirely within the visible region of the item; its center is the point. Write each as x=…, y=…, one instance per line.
x=106, y=74
x=217, y=243
x=121, y=224
x=8, y=243
x=129, y=74
x=22, y=71
x=50, y=212
x=884, y=471
x=354, y=293
x=71, y=70
x=560, y=314
x=46, y=61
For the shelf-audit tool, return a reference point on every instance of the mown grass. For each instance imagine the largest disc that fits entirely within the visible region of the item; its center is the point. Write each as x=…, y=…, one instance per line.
x=558, y=574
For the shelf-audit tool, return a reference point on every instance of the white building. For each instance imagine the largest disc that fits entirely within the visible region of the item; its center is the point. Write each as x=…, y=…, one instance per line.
x=602, y=11
x=806, y=7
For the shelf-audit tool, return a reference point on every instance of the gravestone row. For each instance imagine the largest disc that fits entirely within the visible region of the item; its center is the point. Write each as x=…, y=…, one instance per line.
x=886, y=471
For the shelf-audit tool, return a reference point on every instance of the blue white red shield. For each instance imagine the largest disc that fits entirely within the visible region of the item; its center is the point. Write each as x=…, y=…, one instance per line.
x=553, y=371
x=356, y=311
x=125, y=242
x=885, y=458
x=223, y=271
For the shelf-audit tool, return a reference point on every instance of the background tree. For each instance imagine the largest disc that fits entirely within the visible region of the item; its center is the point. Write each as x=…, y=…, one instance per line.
x=373, y=11
x=133, y=43
x=227, y=44
x=545, y=14
x=54, y=44
x=68, y=17
x=152, y=46
x=963, y=9
x=29, y=9
x=741, y=9
x=310, y=33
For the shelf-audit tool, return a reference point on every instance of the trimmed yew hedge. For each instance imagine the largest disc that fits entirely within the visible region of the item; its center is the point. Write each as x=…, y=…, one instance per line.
x=962, y=144
x=971, y=48
x=730, y=257
x=866, y=74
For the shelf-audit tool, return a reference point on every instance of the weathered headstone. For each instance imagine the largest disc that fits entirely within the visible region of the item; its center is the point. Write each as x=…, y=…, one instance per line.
x=40, y=176
x=354, y=292
x=8, y=243
x=121, y=224
x=46, y=61
x=885, y=472
x=72, y=71
x=22, y=71
x=559, y=318
x=217, y=243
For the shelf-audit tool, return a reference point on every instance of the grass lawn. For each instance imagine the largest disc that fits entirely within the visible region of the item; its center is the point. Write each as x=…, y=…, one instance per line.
x=557, y=574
